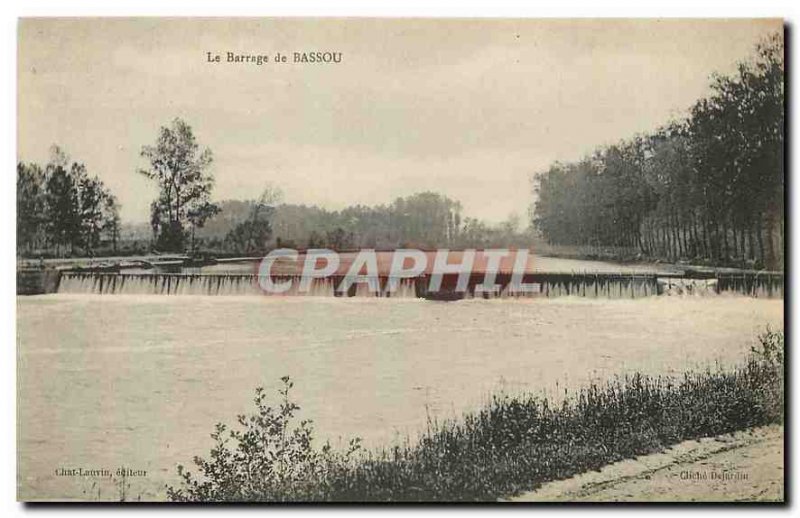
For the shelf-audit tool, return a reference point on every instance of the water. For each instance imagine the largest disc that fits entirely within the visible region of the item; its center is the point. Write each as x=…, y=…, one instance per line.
x=139, y=381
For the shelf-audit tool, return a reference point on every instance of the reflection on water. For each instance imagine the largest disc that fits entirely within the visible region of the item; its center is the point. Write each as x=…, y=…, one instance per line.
x=139, y=381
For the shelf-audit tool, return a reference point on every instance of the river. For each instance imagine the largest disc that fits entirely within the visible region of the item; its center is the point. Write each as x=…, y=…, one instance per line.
x=138, y=381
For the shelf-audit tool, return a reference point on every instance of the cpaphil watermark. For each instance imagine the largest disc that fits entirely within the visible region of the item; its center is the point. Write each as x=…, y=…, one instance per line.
x=383, y=273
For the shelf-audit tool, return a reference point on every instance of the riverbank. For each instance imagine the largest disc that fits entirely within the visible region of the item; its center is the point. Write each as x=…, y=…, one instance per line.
x=511, y=444
x=745, y=466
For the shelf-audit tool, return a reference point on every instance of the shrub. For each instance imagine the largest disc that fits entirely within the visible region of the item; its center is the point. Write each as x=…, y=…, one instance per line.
x=273, y=459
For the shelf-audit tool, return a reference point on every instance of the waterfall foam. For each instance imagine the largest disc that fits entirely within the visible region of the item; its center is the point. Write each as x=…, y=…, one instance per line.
x=614, y=286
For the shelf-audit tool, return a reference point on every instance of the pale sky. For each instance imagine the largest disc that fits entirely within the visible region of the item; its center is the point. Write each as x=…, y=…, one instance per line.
x=468, y=108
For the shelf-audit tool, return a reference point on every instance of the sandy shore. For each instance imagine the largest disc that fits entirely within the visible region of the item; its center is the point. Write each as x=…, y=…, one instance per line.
x=744, y=466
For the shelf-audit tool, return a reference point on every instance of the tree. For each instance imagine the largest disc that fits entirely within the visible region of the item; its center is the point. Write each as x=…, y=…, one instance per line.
x=30, y=207
x=181, y=170
x=708, y=188
x=253, y=235
x=426, y=219
x=62, y=207
x=111, y=219
x=91, y=204
x=62, y=211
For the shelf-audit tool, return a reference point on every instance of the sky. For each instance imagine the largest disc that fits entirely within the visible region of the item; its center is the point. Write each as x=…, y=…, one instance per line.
x=468, y=108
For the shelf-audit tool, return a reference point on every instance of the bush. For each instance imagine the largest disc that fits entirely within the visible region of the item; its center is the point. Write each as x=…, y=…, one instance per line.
x=273, y=460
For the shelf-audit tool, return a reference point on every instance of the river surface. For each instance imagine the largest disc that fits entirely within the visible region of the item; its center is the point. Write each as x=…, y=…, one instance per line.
x=110, y=381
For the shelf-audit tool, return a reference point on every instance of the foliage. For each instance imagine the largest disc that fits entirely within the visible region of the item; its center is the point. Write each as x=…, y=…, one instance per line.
x=273, y=459
x=181, y=170
x=425, y=220
x=253, y=235
x=513, y=444
x=708, y=188
x=60, y=206
x=30, y=206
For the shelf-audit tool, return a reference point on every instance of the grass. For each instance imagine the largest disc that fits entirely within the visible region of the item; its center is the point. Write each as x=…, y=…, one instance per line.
x=513, y=444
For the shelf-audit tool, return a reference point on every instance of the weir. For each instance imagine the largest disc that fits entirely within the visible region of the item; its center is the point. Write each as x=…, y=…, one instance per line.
x=539, y=285
x=759, y=284
x=213, y=284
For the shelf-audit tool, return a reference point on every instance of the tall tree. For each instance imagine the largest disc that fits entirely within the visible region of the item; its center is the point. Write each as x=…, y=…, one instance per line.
x=62, y=209
x=708, y=188
x=181, y=170
x=30, y=207
x=111, y=219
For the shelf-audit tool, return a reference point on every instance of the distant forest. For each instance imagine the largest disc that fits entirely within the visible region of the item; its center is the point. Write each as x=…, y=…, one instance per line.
x=705, y=189
x=422, y=220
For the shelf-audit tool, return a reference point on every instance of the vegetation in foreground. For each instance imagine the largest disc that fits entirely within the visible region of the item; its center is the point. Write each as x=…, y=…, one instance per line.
x=513, y=444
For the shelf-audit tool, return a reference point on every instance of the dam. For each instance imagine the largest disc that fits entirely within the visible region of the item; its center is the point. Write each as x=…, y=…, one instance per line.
x=543, y=277
x=545, y=285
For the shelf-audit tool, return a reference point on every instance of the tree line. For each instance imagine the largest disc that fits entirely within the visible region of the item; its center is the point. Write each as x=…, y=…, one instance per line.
x=183, y=217
x=707, y=188
x=64, y=211
x=420, y=220
x=61, y=209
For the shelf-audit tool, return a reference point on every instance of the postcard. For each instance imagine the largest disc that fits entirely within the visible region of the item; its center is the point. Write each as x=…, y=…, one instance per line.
x=400, y=260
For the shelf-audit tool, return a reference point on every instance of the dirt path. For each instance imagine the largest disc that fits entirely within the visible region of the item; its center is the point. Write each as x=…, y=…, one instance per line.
x=745, y=466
